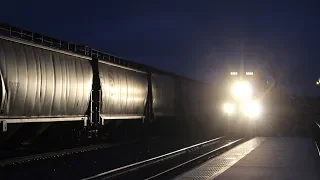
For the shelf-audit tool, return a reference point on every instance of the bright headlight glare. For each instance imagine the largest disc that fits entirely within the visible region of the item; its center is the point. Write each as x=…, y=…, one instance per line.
x=229, y=108
x=242, y=90
x=252, y=109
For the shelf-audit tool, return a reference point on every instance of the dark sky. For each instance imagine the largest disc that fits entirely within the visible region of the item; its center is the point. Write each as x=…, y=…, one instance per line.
x=198, y=39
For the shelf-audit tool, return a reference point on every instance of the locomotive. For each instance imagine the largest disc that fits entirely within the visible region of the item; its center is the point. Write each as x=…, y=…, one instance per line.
x=45, y=80
x=242, y=99
x=245, y=101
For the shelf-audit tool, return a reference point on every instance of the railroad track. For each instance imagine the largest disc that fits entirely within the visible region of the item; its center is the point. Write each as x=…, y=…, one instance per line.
x=169, y=165
x=60, y=153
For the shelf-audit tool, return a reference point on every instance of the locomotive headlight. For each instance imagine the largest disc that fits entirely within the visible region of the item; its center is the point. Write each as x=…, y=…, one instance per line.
x=229, y=108
x=242, y=90
x=252, y=109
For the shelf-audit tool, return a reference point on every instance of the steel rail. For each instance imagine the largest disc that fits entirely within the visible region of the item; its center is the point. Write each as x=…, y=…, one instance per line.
x=194, y=159
x=318, y=139
x=137, y=165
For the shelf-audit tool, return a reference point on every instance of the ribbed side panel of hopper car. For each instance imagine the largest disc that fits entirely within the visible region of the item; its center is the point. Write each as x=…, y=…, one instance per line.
x=163, y=92
x=124, y=92
x=40, y=82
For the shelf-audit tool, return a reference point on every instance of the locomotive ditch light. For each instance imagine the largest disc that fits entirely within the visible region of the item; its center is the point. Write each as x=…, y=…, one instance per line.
x=252, y=109
x=242, y=90
x=229, y=108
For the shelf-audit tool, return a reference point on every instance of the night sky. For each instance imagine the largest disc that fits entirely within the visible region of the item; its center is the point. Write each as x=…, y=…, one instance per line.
x=197, y=39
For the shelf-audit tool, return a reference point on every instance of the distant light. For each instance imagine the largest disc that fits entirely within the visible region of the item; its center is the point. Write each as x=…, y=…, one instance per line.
x=317, y=82
x=249, y=73
x=233, y=73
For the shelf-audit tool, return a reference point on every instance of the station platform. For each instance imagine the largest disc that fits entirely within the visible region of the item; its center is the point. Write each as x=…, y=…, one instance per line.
x=263, y=158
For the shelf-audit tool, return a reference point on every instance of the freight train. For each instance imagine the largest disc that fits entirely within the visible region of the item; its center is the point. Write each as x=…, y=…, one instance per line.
x=44, y=80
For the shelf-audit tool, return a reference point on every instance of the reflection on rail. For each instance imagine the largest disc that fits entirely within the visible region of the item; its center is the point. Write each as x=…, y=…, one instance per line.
x=317, y=137
x=152, y=160
x=151, y=168
x=194, y=159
